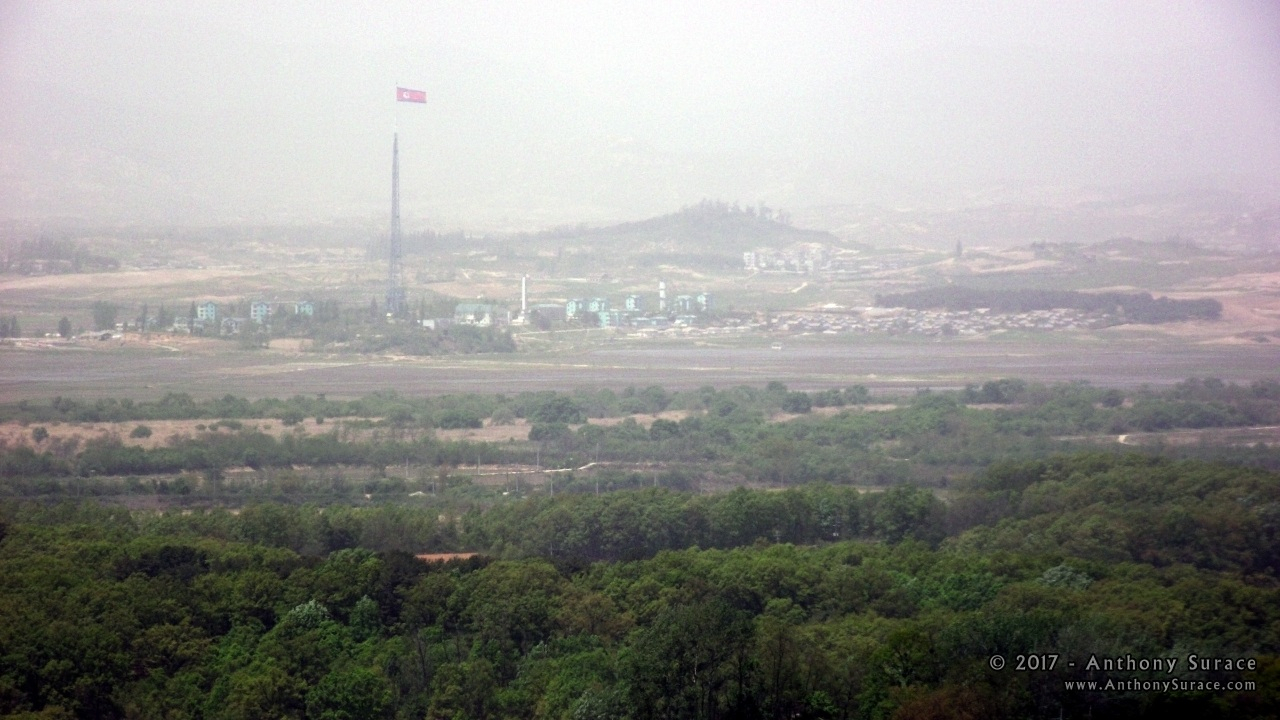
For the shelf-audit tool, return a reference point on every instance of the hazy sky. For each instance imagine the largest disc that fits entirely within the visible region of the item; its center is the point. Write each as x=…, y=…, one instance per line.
x=553, y=112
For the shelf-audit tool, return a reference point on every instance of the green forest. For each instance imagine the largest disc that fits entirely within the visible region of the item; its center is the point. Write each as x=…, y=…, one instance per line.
x=873, y=559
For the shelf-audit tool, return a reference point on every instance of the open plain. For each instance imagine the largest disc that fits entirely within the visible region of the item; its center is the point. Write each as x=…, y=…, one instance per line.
x=803, y=362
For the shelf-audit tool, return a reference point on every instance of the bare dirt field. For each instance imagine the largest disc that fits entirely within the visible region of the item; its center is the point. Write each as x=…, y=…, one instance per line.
x=645, y=419
x=124, y=279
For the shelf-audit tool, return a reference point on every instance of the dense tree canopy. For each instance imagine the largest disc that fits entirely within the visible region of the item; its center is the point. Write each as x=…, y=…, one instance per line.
x=869, y=565
x=820, y=602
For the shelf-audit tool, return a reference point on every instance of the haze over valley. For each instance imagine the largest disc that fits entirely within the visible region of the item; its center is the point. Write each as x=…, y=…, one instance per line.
x=874, y=361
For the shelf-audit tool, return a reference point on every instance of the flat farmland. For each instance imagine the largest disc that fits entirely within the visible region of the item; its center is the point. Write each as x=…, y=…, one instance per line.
x=1242, y=346
x=803, y=363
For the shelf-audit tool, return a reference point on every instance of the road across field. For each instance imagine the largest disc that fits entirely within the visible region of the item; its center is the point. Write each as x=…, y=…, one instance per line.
x=807, y=364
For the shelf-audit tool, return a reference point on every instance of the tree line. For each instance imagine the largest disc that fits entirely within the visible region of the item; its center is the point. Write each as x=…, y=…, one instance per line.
x=329, y=324
x=731, y=435
x=51, y=255
x=1125, y=307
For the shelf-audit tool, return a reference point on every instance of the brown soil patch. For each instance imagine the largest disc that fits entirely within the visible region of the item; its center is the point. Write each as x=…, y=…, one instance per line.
x=171, y=342
x=818, y=411
x=518, y=430
x=1250, y=307
x=644, y=419
x=1243, y=436
x=1247, y=282
x=166, y=341
x=290, y=344
x=118, y=280
x=1019, y=267
x=445, y=557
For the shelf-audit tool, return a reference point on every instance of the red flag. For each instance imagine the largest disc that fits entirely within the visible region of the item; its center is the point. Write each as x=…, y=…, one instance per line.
x=407, y=95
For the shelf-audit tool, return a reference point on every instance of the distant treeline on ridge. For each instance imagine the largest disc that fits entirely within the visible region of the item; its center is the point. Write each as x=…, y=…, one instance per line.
x=1134, y=307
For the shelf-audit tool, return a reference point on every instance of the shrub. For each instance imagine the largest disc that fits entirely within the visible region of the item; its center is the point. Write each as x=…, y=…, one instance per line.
x=548, y=431
x=454, y=419
x=796, y=402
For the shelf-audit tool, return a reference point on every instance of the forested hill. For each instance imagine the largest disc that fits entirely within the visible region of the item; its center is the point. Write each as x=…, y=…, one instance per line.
x=709, y=226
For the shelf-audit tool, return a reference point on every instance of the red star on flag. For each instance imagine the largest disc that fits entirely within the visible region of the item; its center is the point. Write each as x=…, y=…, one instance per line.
x=407, y=95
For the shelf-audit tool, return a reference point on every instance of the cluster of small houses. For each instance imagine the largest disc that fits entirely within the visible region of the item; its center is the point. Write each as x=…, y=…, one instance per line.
x=818, y=259
x=209, y=319
x=805, y=260
x=683, y=310
x=933, y=322
x=815, y=259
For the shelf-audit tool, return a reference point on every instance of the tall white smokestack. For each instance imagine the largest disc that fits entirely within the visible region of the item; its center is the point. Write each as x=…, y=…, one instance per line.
x=524, y=295
x=662, y=296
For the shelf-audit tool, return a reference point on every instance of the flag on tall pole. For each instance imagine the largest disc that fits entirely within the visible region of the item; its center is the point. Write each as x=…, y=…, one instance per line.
x=396, y=296
x=407, y=95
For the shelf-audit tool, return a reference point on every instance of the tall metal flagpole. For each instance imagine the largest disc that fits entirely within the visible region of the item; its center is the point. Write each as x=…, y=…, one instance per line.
x=395, y=290
x=396, y=304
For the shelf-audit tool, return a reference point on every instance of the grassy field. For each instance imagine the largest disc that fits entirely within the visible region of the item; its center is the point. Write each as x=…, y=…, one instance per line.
x=804, y=362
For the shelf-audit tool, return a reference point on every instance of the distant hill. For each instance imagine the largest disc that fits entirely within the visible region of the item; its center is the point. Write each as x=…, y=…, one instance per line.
x=1214, y=220
x=710, y=227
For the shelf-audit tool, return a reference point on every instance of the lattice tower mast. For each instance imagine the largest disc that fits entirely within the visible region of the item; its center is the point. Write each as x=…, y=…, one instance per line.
x=395, y=248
